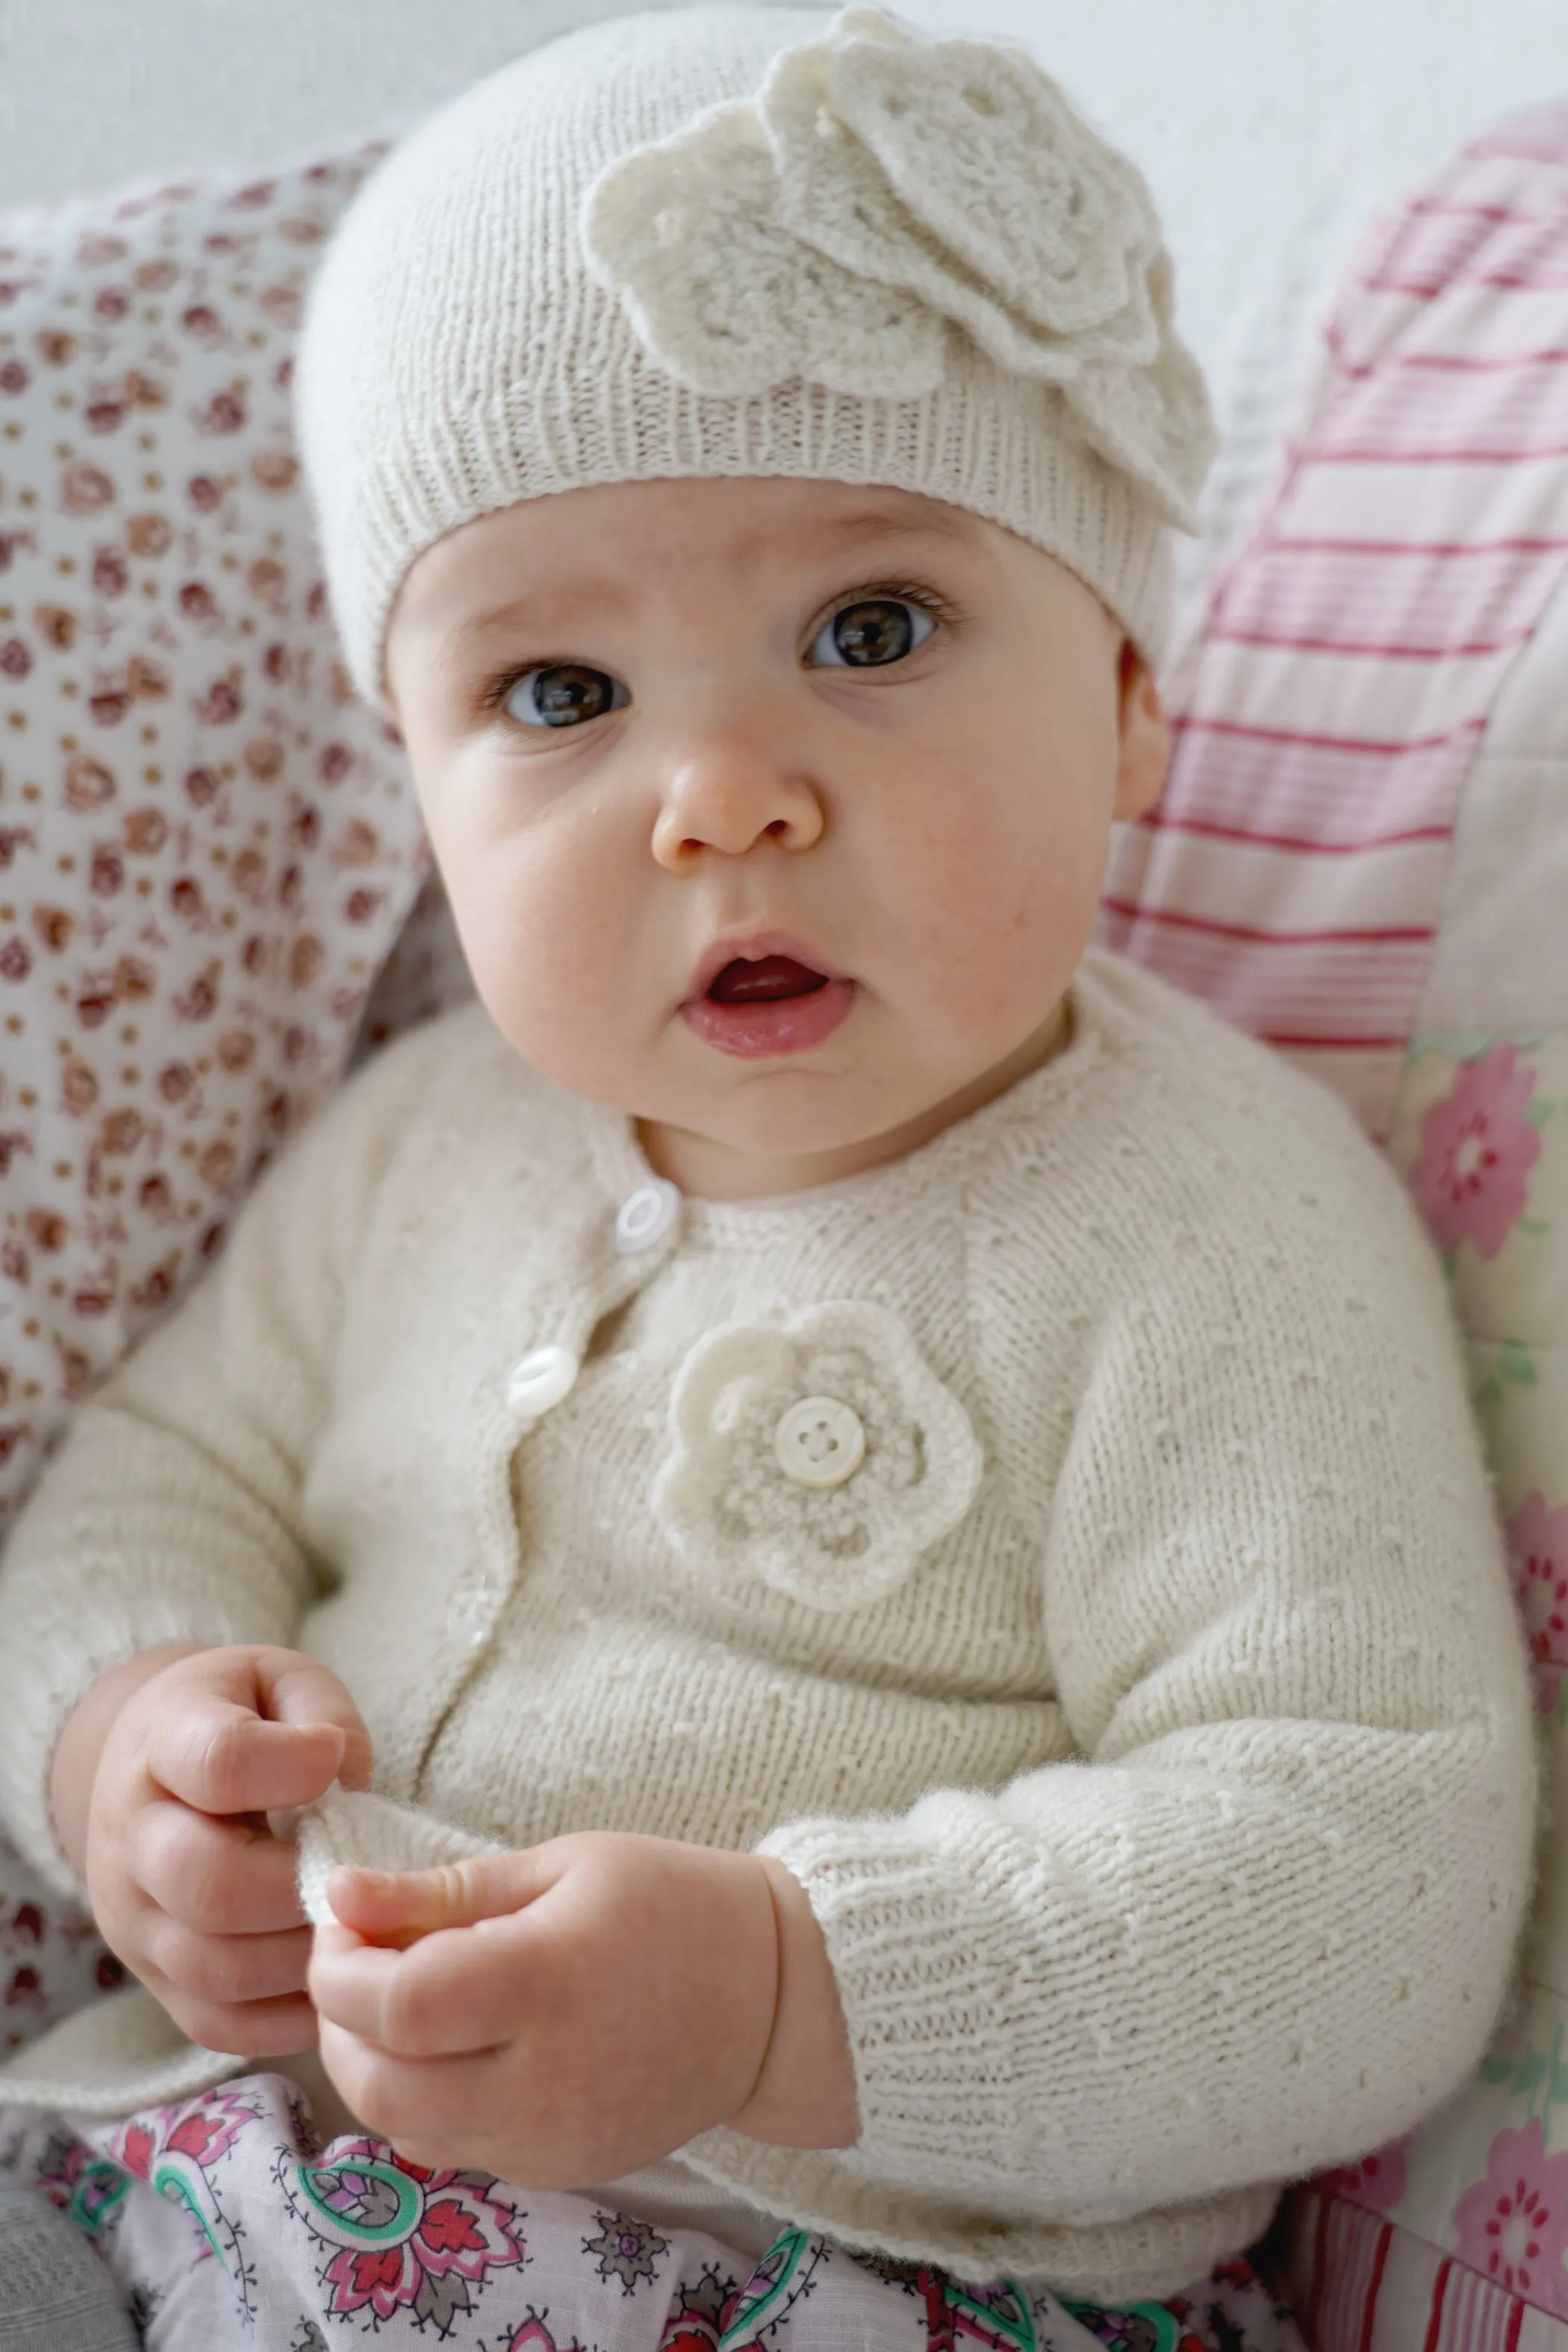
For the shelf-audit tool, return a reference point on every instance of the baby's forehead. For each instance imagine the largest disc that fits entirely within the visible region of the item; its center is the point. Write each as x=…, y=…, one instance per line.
x=617, y=542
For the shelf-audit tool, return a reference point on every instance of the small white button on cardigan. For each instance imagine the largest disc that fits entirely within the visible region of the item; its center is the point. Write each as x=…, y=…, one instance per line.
x=543, y=1378
x=649, y=1216
x=1143, y=1712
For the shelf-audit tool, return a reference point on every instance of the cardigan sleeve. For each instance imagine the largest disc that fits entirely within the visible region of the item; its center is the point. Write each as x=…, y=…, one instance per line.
x=1265, y=1919
x=170, y=1512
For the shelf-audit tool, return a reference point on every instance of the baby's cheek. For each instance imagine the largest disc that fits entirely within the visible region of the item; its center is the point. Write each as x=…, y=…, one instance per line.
x=1056, y=872
x=549, y=944
x=995, y=934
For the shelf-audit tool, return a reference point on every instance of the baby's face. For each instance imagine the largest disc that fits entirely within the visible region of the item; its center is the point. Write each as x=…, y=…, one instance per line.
x=773, y=813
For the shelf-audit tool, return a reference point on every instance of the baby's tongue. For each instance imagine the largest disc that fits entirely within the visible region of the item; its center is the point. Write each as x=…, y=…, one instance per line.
x=765, y=980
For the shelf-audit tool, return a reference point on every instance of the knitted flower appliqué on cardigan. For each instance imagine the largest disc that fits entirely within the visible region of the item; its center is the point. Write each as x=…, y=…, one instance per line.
x=881, y=191
x=732, y=1509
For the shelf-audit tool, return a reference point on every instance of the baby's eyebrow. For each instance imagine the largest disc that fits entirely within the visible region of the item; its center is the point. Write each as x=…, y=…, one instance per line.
x=876, y=523
x=599, y=594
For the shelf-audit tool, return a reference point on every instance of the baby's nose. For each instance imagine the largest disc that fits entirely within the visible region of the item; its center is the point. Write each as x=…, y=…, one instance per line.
x=730, y=794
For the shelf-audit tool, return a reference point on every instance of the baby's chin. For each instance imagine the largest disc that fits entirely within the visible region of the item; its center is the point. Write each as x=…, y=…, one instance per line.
x=785, y=1131
x=812, y=1117
x=796, y=1100
x=793, y=1117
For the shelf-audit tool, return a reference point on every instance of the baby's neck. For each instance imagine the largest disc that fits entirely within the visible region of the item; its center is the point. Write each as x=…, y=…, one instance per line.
x=708, y=1168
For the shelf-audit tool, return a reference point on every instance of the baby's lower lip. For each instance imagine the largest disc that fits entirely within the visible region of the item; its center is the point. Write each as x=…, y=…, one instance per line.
x=788, y=1024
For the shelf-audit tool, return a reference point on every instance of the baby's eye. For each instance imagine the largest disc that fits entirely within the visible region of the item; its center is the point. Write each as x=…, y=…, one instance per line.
x=870, y=633
x=563, y=694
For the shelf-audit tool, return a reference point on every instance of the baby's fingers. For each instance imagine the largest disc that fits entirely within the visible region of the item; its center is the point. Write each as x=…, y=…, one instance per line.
x=220, y=1877
x=252, y=2029
x=298, y=1690
x=396, y=1906
x=229, y=1971
x=448, y=1994
x=223, y=1758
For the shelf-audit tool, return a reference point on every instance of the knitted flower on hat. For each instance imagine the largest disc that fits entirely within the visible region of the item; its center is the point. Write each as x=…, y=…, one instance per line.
x=882, y=194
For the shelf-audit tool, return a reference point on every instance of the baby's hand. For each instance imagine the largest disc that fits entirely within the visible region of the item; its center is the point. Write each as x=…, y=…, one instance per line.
x=188, y=1883
x=565, y=2015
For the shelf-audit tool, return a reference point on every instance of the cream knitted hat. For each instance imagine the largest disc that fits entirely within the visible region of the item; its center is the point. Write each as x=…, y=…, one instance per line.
x=744, y=241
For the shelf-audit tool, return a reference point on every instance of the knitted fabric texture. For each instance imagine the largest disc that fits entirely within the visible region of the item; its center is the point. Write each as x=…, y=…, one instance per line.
x=1167, y=1814
x=56, y=2295
x=694, y=243
x=351, y=1825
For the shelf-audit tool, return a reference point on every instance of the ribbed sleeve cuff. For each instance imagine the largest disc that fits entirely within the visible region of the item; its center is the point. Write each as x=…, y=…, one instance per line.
x=944, y=2041
x=945, y=2029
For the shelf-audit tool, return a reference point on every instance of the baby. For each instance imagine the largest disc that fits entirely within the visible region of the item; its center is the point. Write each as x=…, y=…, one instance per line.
x=888, y=1505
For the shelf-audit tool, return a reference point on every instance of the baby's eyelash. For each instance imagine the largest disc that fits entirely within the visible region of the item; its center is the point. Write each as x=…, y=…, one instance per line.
x=902, y=592
x=492, y=696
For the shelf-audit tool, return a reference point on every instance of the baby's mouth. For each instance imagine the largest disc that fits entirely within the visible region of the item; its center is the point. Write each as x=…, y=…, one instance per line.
x=768, y=1003
x=769, y=980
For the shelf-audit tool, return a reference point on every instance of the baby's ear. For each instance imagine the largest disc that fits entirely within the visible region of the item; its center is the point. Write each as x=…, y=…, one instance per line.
x=1144, y=732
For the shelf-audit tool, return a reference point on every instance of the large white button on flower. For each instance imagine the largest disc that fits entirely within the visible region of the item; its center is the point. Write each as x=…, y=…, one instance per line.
x=820, y=1442
x=541, y=1378
x=647, y=1215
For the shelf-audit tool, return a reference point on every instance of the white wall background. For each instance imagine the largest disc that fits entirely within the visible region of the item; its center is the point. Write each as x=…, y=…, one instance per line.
x=1268, y=128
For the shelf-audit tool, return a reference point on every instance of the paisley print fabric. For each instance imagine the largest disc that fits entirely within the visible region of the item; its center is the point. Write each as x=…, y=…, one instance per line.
x=225, y=2220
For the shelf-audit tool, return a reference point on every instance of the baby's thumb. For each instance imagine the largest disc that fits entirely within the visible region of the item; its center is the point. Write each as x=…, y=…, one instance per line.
x=398, y=1907
x=295, y=1689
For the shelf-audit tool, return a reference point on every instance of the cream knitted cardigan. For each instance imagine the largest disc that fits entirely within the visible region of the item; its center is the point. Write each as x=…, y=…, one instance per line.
x=1146, y=1717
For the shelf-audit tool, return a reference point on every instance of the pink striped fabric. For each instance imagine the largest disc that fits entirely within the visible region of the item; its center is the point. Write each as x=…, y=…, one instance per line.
x=1362, y=2285
x=1292, y=873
